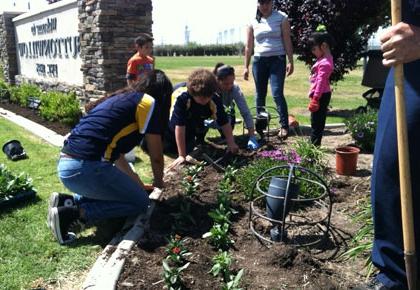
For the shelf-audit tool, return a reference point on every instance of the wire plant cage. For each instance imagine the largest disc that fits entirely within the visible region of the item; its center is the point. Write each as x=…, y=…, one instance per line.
x=292, y=205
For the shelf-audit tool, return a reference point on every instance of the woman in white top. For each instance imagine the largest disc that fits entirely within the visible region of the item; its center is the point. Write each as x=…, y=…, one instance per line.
x=268, y=36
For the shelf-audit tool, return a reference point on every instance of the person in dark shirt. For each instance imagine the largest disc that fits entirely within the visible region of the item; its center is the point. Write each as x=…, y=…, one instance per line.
x=92, y=163
x=191, y=106
x=400, y=45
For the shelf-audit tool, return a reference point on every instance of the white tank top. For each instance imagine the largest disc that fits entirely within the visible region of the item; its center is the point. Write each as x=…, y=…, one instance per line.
x=268, y=40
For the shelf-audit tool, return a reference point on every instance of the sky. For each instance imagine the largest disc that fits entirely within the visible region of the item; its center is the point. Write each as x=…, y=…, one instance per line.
x=209, y=21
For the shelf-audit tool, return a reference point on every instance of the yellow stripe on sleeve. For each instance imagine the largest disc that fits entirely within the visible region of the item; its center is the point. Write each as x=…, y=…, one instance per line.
x=144, y=112
x=124, y=132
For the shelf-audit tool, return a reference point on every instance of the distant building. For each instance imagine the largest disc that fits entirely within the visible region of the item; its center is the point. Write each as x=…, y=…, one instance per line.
x=187, y=35
x=230, y=36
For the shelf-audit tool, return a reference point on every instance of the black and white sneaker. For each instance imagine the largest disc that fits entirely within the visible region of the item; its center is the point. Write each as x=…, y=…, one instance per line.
x=61, y=219
x=57, y=200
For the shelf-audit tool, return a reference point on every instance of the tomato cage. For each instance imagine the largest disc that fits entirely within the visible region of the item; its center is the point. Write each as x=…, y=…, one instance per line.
x=292, y=205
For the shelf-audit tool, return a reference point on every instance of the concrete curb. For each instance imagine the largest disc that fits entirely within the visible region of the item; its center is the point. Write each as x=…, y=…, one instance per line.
x=39, y=130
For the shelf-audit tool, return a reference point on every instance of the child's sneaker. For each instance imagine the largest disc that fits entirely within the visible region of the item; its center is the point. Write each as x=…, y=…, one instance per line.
x=61, y=218
x=57, y=200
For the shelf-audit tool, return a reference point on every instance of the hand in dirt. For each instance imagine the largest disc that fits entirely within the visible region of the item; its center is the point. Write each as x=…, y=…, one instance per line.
x=180, y=160
x=233, y=148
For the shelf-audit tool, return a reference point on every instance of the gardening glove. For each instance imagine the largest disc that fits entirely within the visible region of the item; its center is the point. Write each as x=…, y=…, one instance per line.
x=253, y=143
x=313, y=105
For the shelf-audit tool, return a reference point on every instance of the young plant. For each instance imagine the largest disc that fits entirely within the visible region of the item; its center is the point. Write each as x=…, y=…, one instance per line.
x=176, y=251
x=183, y=218
x=234, y=282
x=229, y=174
x=362, y=128
x=190, y=184
x=220, y=215
x=219, y=236
x=311, y=156
x=194, y=170
x=221, y=264
x=172, y=276
x=11, y=184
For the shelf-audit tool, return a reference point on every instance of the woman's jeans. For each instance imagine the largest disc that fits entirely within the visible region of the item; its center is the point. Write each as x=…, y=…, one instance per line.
x=102, y=190
x=273, y=68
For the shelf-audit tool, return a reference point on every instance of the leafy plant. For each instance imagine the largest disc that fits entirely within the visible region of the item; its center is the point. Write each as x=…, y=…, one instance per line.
x=250, y=173
x=11, y=184
x=183, y=218
x=311, y=156
x=56, y=106
x=194, y=170
x=340, y=19
x=220, y=215
x=229, y=174
x=172, y=276
x=4, y=91
x=234, y=282
x=27, y=91
x=190, y=184
x=219, y=236
x=176, y=251
x=362, y=128
x=221, y=264
x=362, y=241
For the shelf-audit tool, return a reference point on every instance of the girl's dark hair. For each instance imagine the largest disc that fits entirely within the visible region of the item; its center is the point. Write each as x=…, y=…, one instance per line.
x=258, y=14
x=318, y=38
x=221, y=70
x=154, y=83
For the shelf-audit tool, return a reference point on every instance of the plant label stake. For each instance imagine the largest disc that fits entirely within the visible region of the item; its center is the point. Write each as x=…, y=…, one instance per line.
x=404, y=165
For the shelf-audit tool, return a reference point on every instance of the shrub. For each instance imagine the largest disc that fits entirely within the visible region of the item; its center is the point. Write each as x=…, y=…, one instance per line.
x=27, y=91
x=362, y=128
x=56, y=106
x=4, y=91
x=351, y=30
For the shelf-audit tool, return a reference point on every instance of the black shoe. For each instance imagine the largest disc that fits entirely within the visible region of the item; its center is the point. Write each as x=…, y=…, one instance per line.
x=374, y=284
x=57, y=200
x=61, y=219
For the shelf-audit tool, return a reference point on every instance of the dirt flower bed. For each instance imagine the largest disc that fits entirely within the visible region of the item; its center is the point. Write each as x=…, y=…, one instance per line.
x=280, y=266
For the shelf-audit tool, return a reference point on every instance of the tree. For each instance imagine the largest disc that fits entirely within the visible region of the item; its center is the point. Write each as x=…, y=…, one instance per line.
x=350, y=23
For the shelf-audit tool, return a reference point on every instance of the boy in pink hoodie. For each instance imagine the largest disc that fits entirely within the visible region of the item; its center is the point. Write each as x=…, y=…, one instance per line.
x=320, y=91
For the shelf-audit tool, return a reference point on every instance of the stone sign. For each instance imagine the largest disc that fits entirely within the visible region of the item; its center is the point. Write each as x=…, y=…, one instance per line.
x=48, y=44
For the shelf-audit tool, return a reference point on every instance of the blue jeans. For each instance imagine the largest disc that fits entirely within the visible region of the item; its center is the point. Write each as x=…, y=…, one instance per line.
x=273, y=68
x=388, y=249
x=102, y=190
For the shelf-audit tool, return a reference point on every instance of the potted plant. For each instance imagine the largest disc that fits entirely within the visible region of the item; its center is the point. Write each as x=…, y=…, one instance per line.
x=14, y=188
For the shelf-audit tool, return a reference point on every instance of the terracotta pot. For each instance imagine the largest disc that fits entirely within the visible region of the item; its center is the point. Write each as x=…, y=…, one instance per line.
x=346, y=160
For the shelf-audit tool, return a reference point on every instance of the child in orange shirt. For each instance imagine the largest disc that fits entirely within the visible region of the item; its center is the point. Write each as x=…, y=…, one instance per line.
x=143, y=60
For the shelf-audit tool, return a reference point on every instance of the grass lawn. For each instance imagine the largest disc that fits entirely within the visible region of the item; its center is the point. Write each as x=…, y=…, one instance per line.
x=28, y=251
x=347, y=94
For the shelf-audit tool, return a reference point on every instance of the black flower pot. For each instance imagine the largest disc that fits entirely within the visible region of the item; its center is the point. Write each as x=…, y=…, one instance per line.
x=277, y=196
x=14, y=150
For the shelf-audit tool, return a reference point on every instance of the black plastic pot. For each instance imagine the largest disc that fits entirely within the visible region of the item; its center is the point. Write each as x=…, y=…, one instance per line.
x=14, y=150
x=275, y=200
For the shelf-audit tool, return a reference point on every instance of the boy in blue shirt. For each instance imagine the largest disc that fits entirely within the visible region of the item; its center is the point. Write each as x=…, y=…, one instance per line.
x=191, y=105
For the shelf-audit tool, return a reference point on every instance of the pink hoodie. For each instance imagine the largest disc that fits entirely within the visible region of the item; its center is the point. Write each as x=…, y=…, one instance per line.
x=320, y=77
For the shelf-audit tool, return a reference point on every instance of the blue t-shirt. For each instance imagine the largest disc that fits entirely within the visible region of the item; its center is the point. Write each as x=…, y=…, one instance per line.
x=186, y=112
x=114, y=127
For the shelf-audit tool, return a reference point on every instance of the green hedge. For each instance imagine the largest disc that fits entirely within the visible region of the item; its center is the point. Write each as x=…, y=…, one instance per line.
x=56, y=106
x=194, y=49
